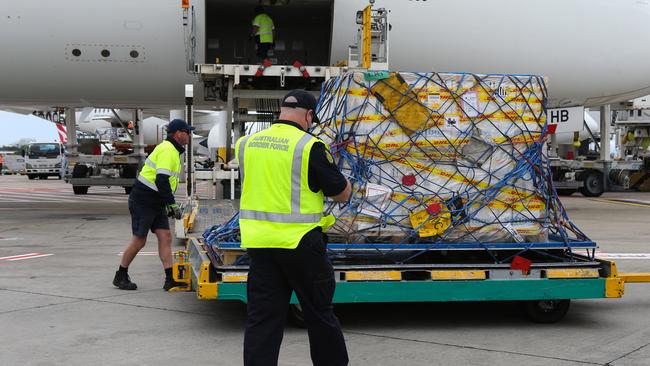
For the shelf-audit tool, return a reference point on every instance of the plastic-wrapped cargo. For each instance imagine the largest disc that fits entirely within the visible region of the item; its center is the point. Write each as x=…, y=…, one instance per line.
x=438, y=161
x=439, y=157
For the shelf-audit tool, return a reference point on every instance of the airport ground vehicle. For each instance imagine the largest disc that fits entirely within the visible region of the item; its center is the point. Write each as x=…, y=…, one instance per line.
x=87, y=166
x=457, y=271
x=43, y=159
x=588, y=165
x=544, y=293
x=14, y=163
x=108, y=170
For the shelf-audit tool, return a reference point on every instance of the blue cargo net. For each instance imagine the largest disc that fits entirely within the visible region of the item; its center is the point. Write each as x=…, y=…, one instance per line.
x=438, y=161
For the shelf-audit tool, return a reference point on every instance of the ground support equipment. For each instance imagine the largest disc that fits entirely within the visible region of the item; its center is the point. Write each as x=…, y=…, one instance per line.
x=220, y=273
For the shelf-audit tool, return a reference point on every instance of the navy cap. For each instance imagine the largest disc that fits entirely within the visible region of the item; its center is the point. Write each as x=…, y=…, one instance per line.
x=178, y=125
x=301, y=99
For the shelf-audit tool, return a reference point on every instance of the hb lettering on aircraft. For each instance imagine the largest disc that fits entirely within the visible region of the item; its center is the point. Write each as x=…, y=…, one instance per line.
x=559, y=116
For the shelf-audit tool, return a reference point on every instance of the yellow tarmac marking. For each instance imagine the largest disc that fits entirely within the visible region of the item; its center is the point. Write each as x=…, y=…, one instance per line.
x=619, y=202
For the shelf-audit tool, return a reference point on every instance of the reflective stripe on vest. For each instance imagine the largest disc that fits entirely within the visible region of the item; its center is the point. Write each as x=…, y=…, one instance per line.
x=242, y=144
x=295, y=215
x=279, y=217
x=144, y=181
x=161, y=170
x=164, y=159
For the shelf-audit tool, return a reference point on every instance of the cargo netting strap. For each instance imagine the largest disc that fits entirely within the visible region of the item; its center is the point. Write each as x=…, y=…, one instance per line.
x=439, y=161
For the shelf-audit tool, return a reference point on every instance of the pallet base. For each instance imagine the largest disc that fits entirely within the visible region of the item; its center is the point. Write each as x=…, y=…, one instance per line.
x=443, y=291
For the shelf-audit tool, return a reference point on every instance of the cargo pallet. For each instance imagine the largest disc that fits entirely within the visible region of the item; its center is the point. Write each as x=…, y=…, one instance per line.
x=545, y=291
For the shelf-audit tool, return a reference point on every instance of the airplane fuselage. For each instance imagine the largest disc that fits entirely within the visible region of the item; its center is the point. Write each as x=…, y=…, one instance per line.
x=123, y=53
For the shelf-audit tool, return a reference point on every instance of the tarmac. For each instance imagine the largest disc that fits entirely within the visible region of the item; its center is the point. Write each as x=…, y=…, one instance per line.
x=59, y=252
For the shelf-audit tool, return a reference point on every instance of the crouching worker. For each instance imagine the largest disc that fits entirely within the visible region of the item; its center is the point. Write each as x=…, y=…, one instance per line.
x=152, y=201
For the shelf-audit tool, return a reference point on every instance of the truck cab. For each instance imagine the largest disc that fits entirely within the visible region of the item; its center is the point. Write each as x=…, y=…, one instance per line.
x=43, y=159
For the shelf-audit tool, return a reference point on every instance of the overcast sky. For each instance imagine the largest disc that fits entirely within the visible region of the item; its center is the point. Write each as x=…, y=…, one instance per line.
x=17, y=126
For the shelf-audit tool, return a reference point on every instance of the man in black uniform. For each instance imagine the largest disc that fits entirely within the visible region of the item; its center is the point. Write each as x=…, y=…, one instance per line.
x=276, y=272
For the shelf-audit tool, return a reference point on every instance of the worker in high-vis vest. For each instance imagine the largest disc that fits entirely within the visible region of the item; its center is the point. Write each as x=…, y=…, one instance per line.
x=151, y=203
x=286, y=174
x=263, y=31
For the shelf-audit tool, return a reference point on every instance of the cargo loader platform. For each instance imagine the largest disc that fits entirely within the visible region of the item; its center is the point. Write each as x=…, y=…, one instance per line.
x=544, y=291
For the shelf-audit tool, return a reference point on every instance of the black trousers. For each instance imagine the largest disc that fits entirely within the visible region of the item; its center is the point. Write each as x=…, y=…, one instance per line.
x=273, y=274
x=263, y=50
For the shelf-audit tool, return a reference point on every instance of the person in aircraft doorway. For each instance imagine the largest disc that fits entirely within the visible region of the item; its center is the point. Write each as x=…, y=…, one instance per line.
x=264, y=32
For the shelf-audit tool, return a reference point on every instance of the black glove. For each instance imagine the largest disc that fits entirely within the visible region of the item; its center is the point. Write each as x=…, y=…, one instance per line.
x=174, y=210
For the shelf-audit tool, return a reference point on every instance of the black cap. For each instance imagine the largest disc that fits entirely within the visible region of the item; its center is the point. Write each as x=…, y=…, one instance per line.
x=178, y=125
x=299, y=98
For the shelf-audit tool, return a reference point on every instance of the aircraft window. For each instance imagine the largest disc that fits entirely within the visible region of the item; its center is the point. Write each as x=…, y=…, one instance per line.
x=106, y=53
x=134, y=54
x=76, y=52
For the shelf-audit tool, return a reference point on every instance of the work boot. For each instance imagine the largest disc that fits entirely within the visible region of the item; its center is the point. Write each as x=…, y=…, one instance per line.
x=123, y=282
x=170, y=283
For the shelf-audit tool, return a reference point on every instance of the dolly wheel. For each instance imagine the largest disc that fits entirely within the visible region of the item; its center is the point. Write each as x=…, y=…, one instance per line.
x=545, y=311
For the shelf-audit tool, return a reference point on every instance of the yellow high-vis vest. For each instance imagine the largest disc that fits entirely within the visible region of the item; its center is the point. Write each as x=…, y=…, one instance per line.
x=277, y=208
x=164, y=159
x=265, y=27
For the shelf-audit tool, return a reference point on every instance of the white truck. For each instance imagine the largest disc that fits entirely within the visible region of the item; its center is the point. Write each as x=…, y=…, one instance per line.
x=43, y=159
x=13, y=164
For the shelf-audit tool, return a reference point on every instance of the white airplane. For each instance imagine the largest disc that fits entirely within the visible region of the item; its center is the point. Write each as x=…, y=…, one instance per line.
x=137, y=53
x=117, y=123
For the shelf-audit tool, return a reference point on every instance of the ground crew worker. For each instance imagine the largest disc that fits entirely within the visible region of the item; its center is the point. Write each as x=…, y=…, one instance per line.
x=263, y=31
x=152, y=201
x=286, y=172
x=2, y=162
